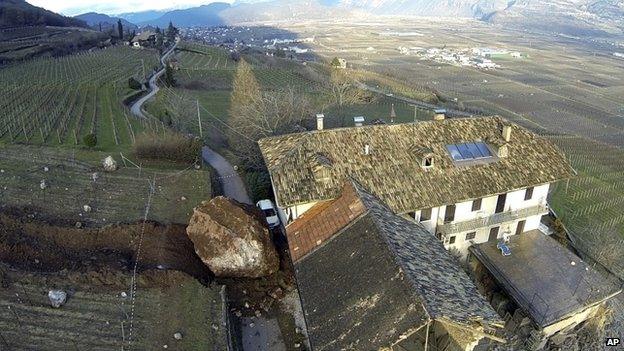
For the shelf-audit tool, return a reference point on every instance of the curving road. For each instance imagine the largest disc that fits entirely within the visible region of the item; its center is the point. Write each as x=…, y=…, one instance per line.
x=231, y=182
x=136, y=108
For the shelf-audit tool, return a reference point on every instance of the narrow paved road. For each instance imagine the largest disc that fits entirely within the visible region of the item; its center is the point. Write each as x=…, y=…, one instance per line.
x=136, y=107
x=416, y=102
x=232, y=184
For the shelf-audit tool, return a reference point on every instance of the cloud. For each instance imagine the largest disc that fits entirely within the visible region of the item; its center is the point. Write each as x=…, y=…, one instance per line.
x=75, y=7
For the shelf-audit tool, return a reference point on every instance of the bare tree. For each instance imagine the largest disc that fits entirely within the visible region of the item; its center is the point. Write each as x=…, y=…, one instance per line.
x=343, y=90
x=255, y=114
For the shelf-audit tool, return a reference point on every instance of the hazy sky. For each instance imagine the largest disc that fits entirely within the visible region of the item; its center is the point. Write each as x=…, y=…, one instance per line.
x=75, y=7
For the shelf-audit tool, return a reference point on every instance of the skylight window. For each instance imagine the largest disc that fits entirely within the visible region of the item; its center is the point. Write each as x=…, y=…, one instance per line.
x=469, y=151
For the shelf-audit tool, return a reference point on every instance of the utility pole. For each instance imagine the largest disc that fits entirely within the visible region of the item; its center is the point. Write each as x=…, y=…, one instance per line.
x=201, y=133
x=143, y=67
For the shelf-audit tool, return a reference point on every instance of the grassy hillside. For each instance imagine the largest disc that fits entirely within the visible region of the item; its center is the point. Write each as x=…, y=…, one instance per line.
x=14, y=13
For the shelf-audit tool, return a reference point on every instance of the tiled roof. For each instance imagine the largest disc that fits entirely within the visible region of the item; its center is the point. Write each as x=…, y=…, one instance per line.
x=321, y=222
x=392, y=169
x=445, y=289
x=378, y=277
x=354, y=295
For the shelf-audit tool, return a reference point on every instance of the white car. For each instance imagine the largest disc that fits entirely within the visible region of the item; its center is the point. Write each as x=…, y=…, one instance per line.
x=269, y=212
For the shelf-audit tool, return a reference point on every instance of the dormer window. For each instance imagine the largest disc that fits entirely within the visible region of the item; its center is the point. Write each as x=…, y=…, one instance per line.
x=321, y=168
x=424, y=156
x=427, y=162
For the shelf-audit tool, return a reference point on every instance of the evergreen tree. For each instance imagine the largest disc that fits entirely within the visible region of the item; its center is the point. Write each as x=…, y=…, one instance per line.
x=335, y=62
x=171, y=32
x=120, y=29
x=169, y=78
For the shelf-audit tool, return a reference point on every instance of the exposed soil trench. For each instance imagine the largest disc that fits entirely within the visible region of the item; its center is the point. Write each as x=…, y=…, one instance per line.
x=51, y=246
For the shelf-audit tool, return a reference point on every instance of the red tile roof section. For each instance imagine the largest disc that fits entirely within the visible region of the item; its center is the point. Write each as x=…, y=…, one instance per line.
x=322, y=221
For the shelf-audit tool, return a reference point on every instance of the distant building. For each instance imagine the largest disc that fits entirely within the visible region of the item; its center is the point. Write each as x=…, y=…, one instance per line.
x=144, y=39
x=342, y=63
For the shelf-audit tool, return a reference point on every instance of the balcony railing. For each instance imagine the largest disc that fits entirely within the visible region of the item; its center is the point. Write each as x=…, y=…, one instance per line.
x=487, y=221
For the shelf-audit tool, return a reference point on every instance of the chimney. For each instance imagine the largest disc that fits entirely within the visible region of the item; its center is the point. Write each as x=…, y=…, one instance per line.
x=507, y=133
x=319, y=121
x=439, y=114
x=359, y=121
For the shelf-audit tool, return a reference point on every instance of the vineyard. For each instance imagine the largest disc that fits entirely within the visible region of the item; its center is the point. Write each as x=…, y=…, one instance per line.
x=57, y=101
x=200, y=63
x=97, y=316
x=112, y=197
x=591, y=205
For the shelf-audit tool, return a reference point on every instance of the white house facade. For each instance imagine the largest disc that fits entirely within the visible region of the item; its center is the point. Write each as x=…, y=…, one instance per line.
x=466, y=181
x=489, y=218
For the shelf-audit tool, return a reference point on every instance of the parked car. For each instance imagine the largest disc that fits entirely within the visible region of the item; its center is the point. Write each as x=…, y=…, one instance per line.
x=269, y=212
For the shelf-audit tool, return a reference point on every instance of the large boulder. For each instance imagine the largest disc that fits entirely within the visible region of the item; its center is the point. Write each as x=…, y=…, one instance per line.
x=232, y=240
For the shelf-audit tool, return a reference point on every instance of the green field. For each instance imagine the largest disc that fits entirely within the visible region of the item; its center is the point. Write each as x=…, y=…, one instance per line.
x=96, y=317
x=56, y=101
x=119, y=196
x=205, y=76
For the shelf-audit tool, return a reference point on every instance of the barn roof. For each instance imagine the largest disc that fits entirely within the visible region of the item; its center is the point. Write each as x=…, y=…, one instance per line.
x=368, y=281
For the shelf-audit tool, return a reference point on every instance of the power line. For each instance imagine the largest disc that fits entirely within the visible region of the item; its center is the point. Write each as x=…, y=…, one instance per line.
x=133, y=283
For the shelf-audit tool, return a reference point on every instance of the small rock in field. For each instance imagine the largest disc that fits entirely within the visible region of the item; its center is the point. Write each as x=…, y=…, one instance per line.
x=177, y=336
x=298, y=330
x=43, y=184
x=57, y=298
x=297, y=345
x=94, y=176
x=1, y=170
x=258, y=313
x=109, y=164
x=246, y=304
x=36, y=261
x=215, y=327
x=183, y=198
x=123, y=294
x=45, y=169
x=251, y=325
x=165, y=346
x=86, y=208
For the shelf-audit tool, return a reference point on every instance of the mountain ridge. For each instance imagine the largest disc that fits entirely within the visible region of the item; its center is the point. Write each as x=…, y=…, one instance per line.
x=94, y=19
x=573, y=17
x=15, y=13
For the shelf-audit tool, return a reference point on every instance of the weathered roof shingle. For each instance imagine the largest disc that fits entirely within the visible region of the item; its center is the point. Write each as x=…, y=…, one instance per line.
x=392, y=169
x=380, y=277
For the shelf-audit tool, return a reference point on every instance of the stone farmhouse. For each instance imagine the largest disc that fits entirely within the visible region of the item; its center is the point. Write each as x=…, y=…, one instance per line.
x=467, y=181
x=144, y=39
x=379, y=217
